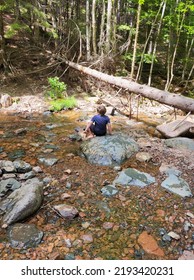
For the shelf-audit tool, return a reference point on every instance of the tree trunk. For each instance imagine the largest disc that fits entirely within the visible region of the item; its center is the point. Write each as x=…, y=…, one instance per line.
x=180, y=102
x=94, y=27
x=88, y=36
x=3, y=56
x=108, y=26
x=135, y=42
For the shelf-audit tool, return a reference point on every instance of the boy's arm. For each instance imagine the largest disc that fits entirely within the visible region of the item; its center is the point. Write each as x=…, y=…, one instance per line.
x=88, y=126
x=109, y=128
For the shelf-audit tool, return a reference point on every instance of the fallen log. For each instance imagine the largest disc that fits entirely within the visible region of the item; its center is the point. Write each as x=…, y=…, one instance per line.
x=185, y=104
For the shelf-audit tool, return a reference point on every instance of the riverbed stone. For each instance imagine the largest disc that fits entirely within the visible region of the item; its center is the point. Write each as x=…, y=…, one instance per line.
x=177, y=185
x=8, y=184
x=109, y=150
x=22, y=166
x=149, y=244
x=23, y=202
x=109, y=190
x=47, y=161
x=133, y=177
x=7, y=166
x=180, y=143
x=23, y=236
x=66, y=211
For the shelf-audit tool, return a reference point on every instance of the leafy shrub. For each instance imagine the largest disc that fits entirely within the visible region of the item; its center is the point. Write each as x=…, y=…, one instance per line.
x=65, y=103
x=57, y=88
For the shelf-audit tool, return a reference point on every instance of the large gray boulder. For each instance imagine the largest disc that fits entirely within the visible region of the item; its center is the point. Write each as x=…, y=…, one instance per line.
x=23, y=202
x=109, y=150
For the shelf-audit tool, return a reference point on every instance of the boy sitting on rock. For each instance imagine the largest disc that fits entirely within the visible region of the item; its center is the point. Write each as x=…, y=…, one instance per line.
x=99, y=124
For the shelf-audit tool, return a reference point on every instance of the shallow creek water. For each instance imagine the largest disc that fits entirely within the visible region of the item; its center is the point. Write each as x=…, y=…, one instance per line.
x=111, y=226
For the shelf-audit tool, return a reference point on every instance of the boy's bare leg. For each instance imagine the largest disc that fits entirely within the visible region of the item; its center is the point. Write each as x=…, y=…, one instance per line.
x=89, y=134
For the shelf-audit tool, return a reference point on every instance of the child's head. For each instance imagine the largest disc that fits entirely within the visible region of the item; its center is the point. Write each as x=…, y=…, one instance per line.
x=101, y=110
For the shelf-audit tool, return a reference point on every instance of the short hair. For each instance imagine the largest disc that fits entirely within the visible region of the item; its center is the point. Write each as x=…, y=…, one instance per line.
x=101, y=110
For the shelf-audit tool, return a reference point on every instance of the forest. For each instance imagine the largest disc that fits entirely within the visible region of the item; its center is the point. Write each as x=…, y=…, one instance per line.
x=150, y=42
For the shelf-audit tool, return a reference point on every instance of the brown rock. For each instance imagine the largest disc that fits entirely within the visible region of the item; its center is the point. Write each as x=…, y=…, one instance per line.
x=149, y=244
x=108, y=225
x=66, y=211
x=87, y=238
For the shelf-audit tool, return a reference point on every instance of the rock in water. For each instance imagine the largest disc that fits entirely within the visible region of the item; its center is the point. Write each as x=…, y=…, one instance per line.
x=66, y=211
x=133, y=177
x=177, y=185
x=23, y=202
x=109, y=150
x=24, y=236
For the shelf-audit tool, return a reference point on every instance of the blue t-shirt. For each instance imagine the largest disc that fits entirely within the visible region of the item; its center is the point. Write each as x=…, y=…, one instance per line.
x=99, y=124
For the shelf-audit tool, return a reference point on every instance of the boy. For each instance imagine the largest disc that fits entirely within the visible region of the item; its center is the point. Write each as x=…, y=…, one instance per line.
x=99, y=124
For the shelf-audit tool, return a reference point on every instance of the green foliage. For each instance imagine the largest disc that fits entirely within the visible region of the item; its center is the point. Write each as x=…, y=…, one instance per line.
x=57, y=88
x=124, y=27
x=14, y=28
x=127, y=57
x=147, y=58
x=60, y=104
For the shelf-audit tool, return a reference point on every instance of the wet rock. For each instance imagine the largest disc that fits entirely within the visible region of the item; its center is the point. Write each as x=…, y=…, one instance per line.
x=108, y=225
x=103, y=206
x=75, y=137
x=133, y=177
x=149, y=244
x=37, y=169
x=180, y=143
x=117, y=168
x=23, y=202
x=174, y=235
x=143, y=157
x=24, y=236
x=9, y=184
x=28, y=175
x=169, y=169
x=16, y=154
x=87, y=238
x=109, y=190
x=7, y=166
x=177, y=185
x=48, y=161
x=187, y=226
x=20, y=131
x=109, y=150
x=166, y=237
x=187, y=255
x=70, y=256
x=66, y=211
x=8, y=176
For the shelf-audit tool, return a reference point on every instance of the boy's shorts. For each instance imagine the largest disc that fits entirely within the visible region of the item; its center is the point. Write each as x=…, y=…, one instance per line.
x=92, y=128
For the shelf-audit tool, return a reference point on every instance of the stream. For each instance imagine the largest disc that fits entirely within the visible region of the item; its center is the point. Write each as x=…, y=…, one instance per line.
x=106, y=228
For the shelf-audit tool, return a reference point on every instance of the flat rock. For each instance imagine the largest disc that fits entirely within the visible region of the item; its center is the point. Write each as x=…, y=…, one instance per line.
x=177, y=185
x=133, y=177
x=149, y=244
x=66, y=211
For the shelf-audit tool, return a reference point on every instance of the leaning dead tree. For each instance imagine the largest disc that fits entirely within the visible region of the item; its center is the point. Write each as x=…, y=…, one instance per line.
x=185, y=104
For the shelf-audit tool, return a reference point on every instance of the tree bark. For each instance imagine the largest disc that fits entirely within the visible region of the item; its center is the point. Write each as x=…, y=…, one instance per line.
x=177, y=101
